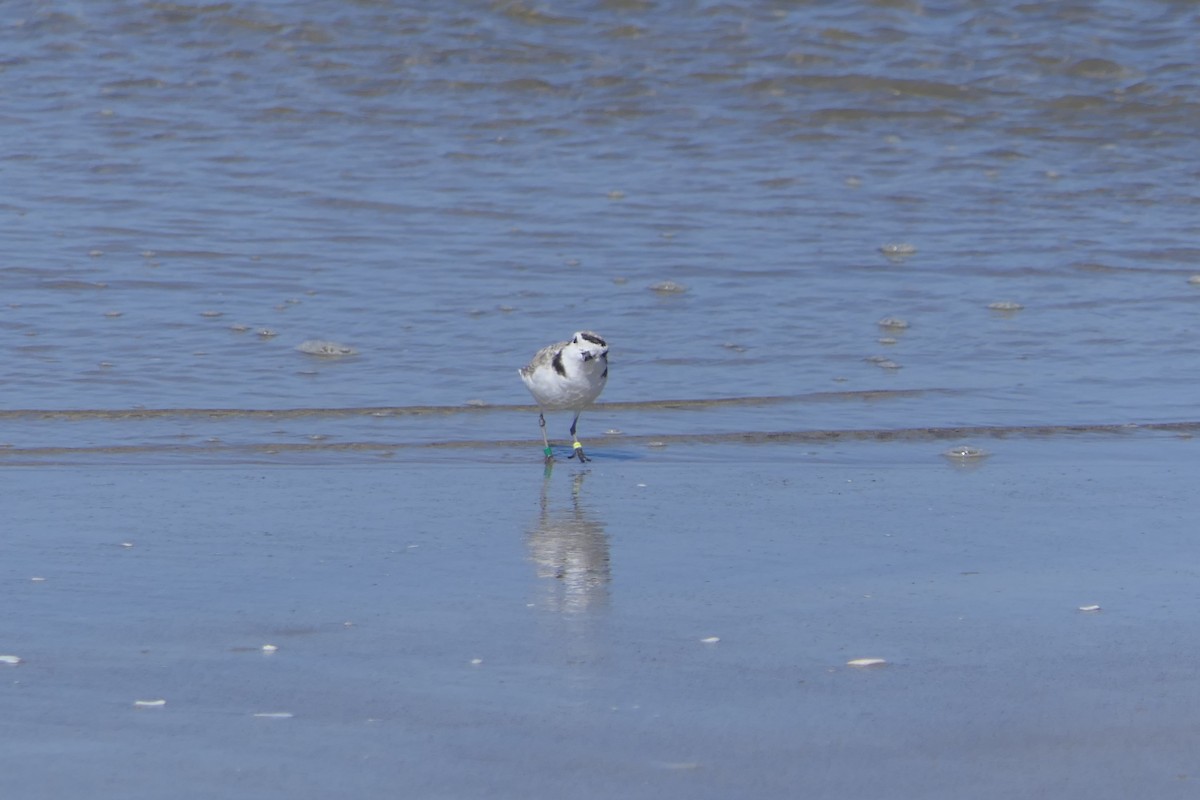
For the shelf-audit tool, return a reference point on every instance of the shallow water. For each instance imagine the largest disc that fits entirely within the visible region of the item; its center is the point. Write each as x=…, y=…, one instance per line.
x=447, y=188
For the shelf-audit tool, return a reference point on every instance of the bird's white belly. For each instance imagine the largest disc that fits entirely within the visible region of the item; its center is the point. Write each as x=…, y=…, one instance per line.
x=557, y=394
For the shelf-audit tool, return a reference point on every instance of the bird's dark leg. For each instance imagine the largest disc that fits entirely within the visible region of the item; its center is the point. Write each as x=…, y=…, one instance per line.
x=577, y=448
x=549, y=453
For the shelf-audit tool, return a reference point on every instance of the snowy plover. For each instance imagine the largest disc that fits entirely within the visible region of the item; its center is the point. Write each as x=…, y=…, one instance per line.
x=567, y=376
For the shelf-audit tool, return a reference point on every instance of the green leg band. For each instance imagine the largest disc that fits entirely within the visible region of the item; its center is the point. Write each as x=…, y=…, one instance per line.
x=548, y=452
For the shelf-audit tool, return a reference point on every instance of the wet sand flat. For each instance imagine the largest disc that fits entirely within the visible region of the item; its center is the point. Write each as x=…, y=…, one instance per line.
x=460, y=629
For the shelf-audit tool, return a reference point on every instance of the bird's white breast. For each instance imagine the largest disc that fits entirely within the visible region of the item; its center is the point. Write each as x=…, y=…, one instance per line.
x=578, y=387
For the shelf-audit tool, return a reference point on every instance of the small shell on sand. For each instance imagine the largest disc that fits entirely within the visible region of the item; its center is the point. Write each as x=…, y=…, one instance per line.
x=11, y=660
x=893, y=323
x=668, y=287
x=274, y=715
x=1005, y=305
x=710, y=640
x=1089, y=608
x=320, y=347
x=149, y=703
x=270, y=648
x=898, y=249
x=866, y=662
x=1194, y=280
x=965, y=451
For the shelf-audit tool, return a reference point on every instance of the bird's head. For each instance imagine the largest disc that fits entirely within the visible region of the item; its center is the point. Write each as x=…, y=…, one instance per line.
x=590, y=346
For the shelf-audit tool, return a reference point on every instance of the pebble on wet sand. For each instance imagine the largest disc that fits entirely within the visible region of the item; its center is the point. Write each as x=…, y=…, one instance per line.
x=866, y=662
x=965, y=451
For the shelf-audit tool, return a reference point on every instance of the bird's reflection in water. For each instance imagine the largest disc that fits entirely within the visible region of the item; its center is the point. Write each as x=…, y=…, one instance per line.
x=569, y=547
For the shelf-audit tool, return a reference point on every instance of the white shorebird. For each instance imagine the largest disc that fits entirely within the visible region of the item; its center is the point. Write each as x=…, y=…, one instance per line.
x=567, y=376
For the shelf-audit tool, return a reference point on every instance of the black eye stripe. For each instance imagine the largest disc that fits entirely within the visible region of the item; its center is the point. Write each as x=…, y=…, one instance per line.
x=594, y=339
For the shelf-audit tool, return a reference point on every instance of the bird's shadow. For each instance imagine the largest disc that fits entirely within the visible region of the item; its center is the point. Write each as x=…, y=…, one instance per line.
x=562, y=457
